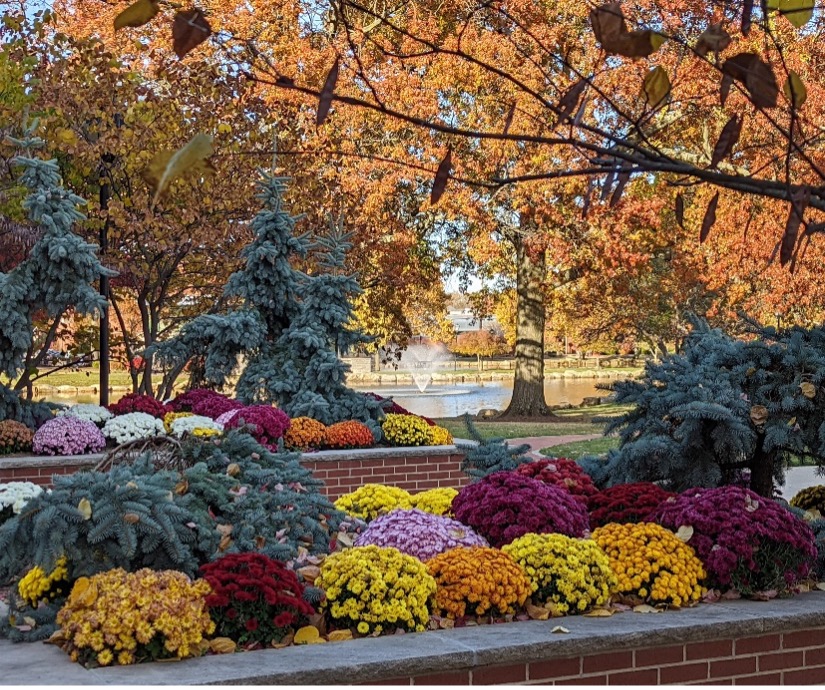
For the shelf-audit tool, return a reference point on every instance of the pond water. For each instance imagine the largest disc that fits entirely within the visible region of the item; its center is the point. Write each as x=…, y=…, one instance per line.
x=439, y=400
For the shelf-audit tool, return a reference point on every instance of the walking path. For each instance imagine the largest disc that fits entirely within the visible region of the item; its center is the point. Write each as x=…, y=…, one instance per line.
x=796, y=478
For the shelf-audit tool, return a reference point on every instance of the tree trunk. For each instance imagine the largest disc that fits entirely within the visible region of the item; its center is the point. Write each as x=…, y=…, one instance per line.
x=528, y=386
x=762, y=470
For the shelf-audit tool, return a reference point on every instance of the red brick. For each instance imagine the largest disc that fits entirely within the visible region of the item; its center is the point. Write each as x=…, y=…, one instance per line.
x=659, y=655
x=438, y=475
x=649, y=676
x=753, y=645
x=724, y=681
x=805, y=676
x=584, y=680
x=815, y=657
x=762, y=679
x=446, y=678
x=804, y=638
x=776, y=662
x=732, y=667
x=557, y=668
x=709, y=650
x=499, y=675
x=683, y=673
x=607, y=662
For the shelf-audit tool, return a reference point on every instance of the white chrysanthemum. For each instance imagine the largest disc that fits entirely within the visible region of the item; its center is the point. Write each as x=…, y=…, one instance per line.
x=132, y=426
x=186, y=425
x=17, y=494
x=87, y=412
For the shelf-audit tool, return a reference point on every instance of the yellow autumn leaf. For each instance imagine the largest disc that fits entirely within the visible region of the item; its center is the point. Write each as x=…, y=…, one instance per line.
x=797, y=12
x=85, y=508
x=306, y=635
x=537, y=613
x=600, y=613
x=339, y=635
x=167, y=167
x=796, y=92
x=67, y=136
x=222, y=645
x=808, y=389
x=646, y=608
x=137, y=14
x=656, y=86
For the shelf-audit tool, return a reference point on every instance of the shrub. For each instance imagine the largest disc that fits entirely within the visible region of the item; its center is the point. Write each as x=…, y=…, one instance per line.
x=374, y=589
x=626, y=503
x=418, y=534
x=15, y=437
x=67, y=436
x=746, y=541
x=216, y=405
x=186, y=401
x=572, y=574
x=267, y=424
x=506, y=505
x=135, y=402
x=304, y=433
x=90, y=413
x=254, y=598
x=371, y=500
x=170, y=417
x=652, y=563
x=37, y=585
x=406, y=430
x=348, y=435
x=562, y=472
x=439, y=436
x=810, y=498
x=476, y=581
x=436, y=501
x=132, y=426
x=120, y=617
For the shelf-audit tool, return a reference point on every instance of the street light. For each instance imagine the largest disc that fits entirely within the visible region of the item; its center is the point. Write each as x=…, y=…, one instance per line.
x=778, y=316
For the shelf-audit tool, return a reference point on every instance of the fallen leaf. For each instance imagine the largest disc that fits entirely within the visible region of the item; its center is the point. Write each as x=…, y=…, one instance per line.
x=181, y=487
x=731, y=594
x=767, y=595
x=233, y=469
x=646, y=608
x=537, y=613
x=131, y=518
x=600, y=613
x=684, y=533
x=285, y=641
x=339, y=635
x=559, y=629
x=306, y=634
x=808, y=389
x=820, y=585
x=222, y=645
x=85, y=508
x=759, y=414
x=137, y=14
x=225, y=543
x=224, y=530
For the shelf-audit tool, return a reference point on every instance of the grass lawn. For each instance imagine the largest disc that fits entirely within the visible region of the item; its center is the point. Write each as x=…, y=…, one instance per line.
x=596, y=446
x=518, y=429
x=87, y=377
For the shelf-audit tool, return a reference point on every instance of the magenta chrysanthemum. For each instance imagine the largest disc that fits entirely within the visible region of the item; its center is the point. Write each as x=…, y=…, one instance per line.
x=267, y=424
x=418, y=534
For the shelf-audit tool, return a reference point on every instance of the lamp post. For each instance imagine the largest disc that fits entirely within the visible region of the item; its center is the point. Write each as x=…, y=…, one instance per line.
x=778, y=316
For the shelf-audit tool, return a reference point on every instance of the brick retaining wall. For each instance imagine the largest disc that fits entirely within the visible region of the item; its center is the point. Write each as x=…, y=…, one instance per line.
x=413, y=469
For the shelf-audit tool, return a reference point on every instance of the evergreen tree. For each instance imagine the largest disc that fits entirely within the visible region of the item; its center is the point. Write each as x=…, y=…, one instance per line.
x=722, y=406
x=487, y=456
x=288, y=327
x=58, y=274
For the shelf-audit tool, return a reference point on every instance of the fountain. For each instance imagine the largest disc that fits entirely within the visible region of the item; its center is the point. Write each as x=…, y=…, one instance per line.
x=421, y=361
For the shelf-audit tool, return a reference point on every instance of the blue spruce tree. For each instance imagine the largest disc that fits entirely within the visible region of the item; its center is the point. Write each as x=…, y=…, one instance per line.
x=288, y=325
x=722, y=409
x=57, y=275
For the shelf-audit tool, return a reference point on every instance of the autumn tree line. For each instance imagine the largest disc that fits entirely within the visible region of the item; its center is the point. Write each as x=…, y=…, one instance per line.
x=612, y=167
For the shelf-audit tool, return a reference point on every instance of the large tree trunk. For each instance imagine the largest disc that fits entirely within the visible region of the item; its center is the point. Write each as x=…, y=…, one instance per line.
x=528, y=387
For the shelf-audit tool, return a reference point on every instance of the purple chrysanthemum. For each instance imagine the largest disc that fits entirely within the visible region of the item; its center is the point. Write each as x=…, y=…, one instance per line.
x=68, y=436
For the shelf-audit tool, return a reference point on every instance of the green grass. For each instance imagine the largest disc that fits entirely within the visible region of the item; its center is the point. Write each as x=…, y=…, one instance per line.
x=519, y=430
x=88, y=377
x=577, y=449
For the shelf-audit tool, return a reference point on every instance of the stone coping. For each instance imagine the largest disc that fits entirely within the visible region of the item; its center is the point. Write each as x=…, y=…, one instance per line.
x=376, y=659
x=17, y=461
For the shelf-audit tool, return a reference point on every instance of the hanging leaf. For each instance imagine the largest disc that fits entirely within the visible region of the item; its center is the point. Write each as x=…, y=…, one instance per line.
x=617, y=193
x=714, y=38
x=680, y=210
x=727, y=140
x=569, y=100
x=441, y=177
x=797, y=12
x=709, y=219
x=747, y=11
x=167, y=167
x=656, y=86
x=756, y=76
x=325, y=99
x=611, y=32
x=795, y=90
x=724, y=89
x=799, y=202
x=189, y=30
x=137, y=14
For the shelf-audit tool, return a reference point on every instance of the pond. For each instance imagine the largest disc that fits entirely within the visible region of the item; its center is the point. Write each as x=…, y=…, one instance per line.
x=438, y=400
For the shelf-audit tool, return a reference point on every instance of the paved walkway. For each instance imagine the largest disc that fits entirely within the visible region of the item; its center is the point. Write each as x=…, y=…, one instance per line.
x=796, y=478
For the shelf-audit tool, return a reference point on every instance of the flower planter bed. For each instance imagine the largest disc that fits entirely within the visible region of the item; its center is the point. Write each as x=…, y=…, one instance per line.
x=726, y=643
x=342, y=471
